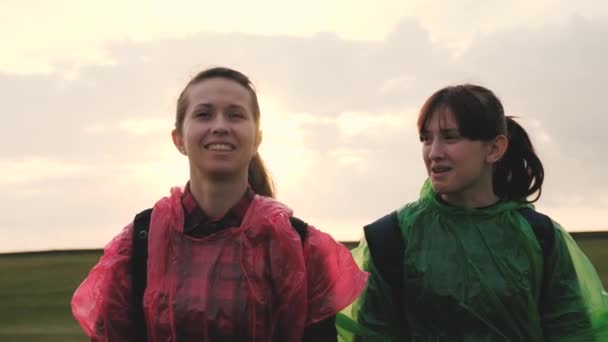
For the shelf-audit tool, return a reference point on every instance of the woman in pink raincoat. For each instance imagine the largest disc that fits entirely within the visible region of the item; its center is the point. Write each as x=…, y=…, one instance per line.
x=225, y=260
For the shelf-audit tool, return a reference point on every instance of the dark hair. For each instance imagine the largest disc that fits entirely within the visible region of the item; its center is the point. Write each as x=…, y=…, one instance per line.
x=480, y=116
x=258, y=176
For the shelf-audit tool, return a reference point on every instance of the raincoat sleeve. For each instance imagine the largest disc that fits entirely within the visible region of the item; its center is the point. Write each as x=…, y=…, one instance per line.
x=574, y=305
x=373, y=315
x=102, y=303
x=334, y=278
x=289, y=275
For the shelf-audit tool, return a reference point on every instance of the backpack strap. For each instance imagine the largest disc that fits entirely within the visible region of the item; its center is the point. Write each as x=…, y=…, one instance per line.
x=139, y=264
x=139, y=270
x=386, y=247
x=542, y=226
x=543, y=229
x=300, y=227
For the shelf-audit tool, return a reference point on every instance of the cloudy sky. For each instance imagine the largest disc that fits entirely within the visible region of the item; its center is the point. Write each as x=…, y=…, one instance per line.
x=87, y=98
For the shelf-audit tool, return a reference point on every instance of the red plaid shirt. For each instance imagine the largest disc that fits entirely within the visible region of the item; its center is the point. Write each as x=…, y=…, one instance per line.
x=198, y=224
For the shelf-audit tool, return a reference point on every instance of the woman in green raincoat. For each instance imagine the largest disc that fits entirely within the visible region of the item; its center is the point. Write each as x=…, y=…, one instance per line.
x=471, y=260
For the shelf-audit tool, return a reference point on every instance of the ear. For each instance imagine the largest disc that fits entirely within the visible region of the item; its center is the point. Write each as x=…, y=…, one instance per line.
x=178, y=141
x=497, y=148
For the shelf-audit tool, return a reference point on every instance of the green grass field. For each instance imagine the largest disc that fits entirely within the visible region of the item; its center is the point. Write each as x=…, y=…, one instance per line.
x=35, y=290
x=596, y=248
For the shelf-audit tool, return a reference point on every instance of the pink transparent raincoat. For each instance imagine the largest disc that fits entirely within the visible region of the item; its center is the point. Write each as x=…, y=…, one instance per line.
x=256, y=282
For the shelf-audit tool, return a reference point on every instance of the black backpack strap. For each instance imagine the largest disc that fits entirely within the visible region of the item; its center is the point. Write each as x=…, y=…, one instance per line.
x=386, y=247
x=139, y=270
x=542, y=226
x=300, y=226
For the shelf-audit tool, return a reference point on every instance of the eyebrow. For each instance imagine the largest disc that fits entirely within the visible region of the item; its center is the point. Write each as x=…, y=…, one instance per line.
x=201, y=106
x=449, y=130
x=207, y=105
x=236, y=106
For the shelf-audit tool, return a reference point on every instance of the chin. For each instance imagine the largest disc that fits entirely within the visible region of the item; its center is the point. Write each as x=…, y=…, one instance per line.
x=442, y=189
x=438, y=187
x=224, y=173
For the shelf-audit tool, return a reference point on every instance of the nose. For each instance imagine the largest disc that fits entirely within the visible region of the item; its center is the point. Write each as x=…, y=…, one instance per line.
x=219, y=125
x=435, y=150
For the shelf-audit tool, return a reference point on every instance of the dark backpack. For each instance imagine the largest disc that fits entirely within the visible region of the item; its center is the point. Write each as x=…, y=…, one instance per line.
x=386, y=246
x=139, y=264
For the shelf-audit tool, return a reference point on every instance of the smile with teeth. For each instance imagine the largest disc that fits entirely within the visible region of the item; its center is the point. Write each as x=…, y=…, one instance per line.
x=219, y=147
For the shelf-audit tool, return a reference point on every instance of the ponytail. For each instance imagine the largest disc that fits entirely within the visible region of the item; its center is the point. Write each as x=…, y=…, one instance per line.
x=520, y=173
x=259, y=178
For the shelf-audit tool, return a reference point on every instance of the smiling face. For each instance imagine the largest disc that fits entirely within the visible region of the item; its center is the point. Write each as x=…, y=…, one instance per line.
x=460, y=169
x=219, y=133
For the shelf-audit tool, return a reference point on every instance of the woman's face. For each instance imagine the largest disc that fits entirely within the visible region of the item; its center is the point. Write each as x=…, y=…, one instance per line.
x=219, y=133
x=457, y=167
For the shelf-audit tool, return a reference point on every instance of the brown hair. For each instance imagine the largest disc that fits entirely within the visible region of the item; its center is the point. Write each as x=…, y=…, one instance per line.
x=258, y=176
x=480, y=116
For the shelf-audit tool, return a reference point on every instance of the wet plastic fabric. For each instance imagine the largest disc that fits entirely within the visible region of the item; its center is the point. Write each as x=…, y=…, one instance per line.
x=250, y=283
x=476, y=275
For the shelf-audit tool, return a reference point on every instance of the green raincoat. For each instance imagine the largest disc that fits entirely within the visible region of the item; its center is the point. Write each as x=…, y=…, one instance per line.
x=477, y=275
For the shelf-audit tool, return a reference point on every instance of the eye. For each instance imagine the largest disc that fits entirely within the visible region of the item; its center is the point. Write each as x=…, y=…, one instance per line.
x=451, y=137
x=425, y=139
x=203, y=114
x=236, y=115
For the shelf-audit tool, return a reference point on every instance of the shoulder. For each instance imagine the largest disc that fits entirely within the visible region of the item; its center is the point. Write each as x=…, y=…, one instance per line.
x=334, y=278
x=409, y=212
x=172, y=202
x=300, y=227
x=268, y=206
x=267, y=212
x=121, y=244
x=268, y=218
x=543, y=227
x=538, y=220
x=415, y=207
x=383, y=232
x=388, y=226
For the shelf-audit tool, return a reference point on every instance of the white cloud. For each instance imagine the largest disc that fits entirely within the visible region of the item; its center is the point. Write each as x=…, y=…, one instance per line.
x=397, y=83
x=76, y=32
x=353, y=124
x=145, y=126
x=80, y=33
x=338, y=119
x=35, y=169
x=283, y=148
x=353, y=159
x=94, y=128
x=536, y=130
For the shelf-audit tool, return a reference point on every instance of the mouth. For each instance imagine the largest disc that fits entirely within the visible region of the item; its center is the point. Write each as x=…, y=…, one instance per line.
x=220, y=147
x=440, y=169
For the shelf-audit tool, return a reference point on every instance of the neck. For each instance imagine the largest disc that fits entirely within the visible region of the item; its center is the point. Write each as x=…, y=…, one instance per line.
x=478, y=200
x=477, y=195
x=215, y=196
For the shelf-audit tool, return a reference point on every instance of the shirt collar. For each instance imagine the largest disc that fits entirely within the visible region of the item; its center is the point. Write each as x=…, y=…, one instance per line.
x=196, y=219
